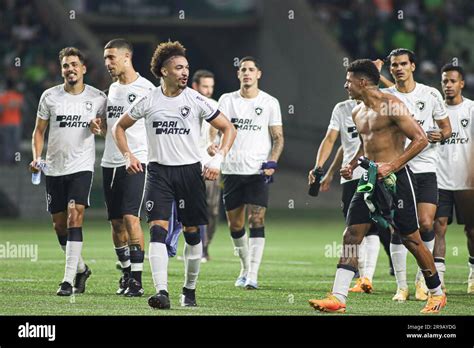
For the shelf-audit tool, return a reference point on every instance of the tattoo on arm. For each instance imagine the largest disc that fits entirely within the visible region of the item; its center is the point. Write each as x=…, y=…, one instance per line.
x=278, y=142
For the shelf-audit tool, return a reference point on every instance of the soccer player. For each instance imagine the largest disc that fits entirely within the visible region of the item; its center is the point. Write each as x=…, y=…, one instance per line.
x=383, y=123
x=123, y=192
x=455, y=188
x=68, y=109
x=172, y=114
x=249, y=166
x=342, y=124
x=426, y=105
x=203, y=82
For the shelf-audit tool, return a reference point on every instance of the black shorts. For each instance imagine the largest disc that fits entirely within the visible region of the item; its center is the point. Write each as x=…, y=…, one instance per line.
x=123, y=192
x=348, y=190
x=244, y=189
x=405, y=218
x=72, y=188
x=447, y=202
x=181, y=184
x=426, y=188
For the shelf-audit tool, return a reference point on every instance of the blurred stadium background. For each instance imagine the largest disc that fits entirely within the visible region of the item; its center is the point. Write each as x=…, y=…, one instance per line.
x=302, y=45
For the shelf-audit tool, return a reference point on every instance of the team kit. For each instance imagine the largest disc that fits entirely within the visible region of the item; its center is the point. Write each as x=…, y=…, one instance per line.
x=168, y=147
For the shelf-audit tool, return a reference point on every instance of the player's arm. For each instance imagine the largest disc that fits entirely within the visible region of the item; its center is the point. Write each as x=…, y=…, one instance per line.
x=223, y=125
x=98, y=126
x=118, y=131
x=212, y=147
x=278, y=142
x=444, y=132
x=383, y=80
x=334, y=167
x=37, y=142
x=324, y=151
x=412, y=130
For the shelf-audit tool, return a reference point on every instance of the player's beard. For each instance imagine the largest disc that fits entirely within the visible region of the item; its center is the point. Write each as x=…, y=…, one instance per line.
x=72, y=82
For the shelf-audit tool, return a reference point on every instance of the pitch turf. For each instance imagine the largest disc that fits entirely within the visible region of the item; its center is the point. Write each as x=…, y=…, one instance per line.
x=295, y=268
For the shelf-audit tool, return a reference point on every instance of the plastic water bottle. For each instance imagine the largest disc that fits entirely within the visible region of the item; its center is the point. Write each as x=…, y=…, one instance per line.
x=36, y=177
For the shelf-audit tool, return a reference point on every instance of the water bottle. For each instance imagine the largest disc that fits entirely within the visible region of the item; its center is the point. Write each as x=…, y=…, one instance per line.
x=314, y=187
x=36, y=177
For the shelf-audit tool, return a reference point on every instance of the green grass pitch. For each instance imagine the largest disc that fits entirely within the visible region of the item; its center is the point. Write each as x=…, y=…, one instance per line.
x=295, y=268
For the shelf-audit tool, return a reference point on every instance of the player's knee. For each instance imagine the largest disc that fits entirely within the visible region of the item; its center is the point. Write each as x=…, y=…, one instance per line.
x=351, y=236
x=469, y=231
x=117, y=226
x=236, y=225
x=132, y=224
x=191, y=229
x=158, y=234
x=256, y=219
x=426, y=224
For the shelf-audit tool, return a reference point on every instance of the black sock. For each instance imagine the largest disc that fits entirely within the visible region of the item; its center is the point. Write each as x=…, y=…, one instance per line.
x=137, y=255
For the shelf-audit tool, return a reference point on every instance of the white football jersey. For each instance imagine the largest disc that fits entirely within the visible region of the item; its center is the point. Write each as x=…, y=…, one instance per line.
x=341, y=121
x=426, y=104
x=252, y=118
x=455, y=152
x=173, y=125
x=71, y=145
x=121, y=97
x=204, y=139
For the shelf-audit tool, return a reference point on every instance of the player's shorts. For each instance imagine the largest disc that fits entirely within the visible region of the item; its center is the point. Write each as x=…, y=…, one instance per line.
x=123, y=192
x=449, y=200
x=182, y=184
x=426, y=188
x=348, y=190
x=405, y=218
x=213, y=195
x=244, y=189
x=68, y=189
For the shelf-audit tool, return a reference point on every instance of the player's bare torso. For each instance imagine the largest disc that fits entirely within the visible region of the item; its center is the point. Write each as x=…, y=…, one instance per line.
x=382, y=139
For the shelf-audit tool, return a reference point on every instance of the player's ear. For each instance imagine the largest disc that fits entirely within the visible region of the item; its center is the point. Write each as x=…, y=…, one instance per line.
x=84, y=69
x=259, y=74
x=413, y=67
x=461, y=84
x=164, y=71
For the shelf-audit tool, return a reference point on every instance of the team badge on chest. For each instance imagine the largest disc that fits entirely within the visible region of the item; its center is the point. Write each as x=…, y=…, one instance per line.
x=420, y=105
x=131, y=97
x=184, y=111
x=258, y=110
x=88, y=106
x=465, y=122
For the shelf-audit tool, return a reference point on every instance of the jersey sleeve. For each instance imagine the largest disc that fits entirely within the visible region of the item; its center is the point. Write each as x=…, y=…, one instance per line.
x=224, y=105
x=43, y=107
x=139, y=109
x=275, y=115
x=101, y=111
x=208, y=107
x=335, y=122
x=439, y=109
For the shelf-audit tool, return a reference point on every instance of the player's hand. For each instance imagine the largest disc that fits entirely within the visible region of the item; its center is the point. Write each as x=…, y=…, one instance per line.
x=212, y=149
x=269, y=172
x=34, y=165
x=435, y=136
x=326, y=182
x=210, y=173
x=346, y=172
x=133, y=165
x=384, y=169
x=311, y=177
x=95, y=126
x=378, y=63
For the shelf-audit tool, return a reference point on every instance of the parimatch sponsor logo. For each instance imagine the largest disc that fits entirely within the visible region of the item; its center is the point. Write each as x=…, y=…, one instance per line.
x=245, y=124
x=169, y=127
x=455, y=138
x=114, y=111
x=71, y=121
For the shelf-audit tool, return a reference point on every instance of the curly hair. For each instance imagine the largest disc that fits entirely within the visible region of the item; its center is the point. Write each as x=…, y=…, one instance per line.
x=163, y=52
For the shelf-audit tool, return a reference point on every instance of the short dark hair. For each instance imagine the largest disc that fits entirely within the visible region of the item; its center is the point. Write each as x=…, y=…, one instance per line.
x=250, y=59
x=163, y=52
x=119, y=43
x=401, y=51
x=71, y=51
x=366, y=68
x=452, y=67
x=200, y=74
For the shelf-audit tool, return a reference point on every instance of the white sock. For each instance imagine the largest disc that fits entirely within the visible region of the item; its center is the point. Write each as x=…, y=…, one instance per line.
x=192, y=261
x=241, y=249
x=342, y=283
x=441, y=268
x=73, y=253
x=158, y=256
x=81, y=266
x=471, y=267
x=398, y=252
x=436, y=291
x=136, y=267
x=362, y=256
x=256, y=246
x=430, y=246
x=372, y=247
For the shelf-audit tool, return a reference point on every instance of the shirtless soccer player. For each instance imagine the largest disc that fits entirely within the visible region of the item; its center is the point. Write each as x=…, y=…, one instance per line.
x=384, y=123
